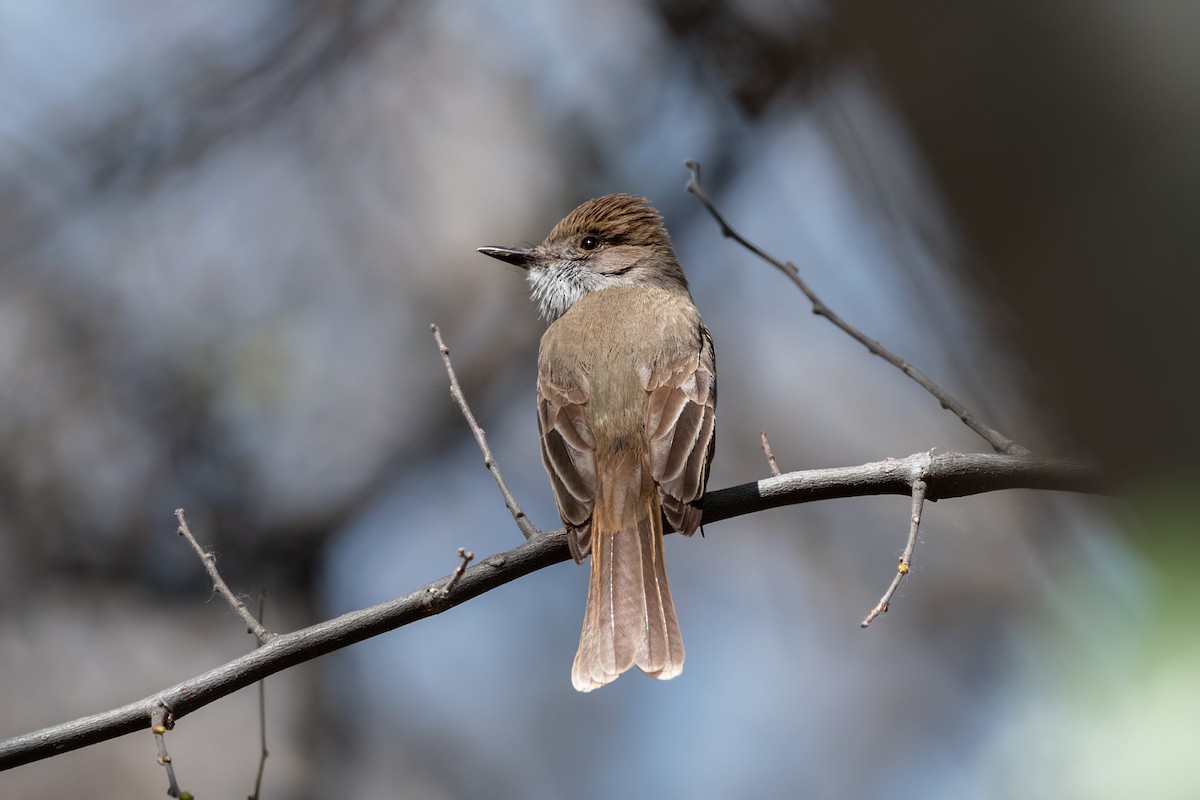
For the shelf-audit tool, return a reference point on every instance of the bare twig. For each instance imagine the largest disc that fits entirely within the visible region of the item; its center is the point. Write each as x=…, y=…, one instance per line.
x=435, y=596
x=919, y=488
x=948, y=475
x=766, y=446
x=999, y=442
x=466, y=557
x=253, y=626
x=161, y=721
x=262, y=714
x=528, y=529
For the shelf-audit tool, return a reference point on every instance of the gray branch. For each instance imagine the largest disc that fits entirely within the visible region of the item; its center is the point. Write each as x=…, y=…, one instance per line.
x=947, y=475
x=1000, y=442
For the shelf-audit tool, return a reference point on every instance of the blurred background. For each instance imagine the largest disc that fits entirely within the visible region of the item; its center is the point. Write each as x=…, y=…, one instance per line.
x=225, y=228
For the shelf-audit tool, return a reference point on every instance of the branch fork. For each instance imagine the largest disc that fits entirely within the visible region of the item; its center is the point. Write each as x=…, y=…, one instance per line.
x=919, y=488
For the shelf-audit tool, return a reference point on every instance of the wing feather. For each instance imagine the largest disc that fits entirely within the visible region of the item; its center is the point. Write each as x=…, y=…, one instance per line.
x=681, y=423
x=568, y=451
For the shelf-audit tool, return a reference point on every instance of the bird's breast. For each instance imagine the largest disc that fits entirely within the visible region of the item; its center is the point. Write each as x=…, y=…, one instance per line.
x=607, y=342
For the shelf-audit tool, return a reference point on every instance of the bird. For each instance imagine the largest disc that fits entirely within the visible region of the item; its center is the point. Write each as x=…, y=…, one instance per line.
x=626, y=412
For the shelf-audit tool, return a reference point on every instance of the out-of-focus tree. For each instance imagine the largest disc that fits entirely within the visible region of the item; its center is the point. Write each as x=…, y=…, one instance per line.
x=225, y=227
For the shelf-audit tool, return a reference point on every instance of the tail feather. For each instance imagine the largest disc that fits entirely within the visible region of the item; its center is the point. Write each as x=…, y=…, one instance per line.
x=630, y=617
x=669, y=663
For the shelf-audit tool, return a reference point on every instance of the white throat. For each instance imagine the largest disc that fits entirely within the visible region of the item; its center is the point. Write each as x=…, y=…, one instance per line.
x=558, y=285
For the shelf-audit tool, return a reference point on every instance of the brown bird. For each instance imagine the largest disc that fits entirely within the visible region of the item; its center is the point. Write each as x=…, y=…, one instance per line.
x=626, y=402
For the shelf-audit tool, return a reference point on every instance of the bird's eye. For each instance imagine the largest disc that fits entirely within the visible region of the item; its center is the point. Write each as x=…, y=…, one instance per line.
x=590, y=243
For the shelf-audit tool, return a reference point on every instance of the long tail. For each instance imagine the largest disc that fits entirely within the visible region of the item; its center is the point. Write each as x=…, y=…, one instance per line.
x=630, y=618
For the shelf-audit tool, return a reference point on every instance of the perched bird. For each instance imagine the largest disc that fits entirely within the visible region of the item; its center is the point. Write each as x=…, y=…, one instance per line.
x=626, y=408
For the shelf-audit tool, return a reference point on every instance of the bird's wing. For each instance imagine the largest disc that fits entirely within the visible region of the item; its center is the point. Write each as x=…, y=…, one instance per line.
x=568, y=451
x=680, y=421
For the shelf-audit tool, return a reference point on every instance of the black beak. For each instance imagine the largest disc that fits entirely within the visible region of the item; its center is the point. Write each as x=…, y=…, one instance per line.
x=523, y=257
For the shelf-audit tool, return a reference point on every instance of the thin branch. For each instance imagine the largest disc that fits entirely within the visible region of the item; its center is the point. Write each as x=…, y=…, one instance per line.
x=262, y=715
x=766, y=446
x=528, y=529
x=434, y=596
x=948, y=475
x=999, y=442
x=467, y=557
x=161, y=721
x=253, y=626
x=919, y=488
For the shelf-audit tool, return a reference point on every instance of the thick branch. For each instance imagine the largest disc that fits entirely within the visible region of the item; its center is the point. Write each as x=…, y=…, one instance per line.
x=947, y=474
